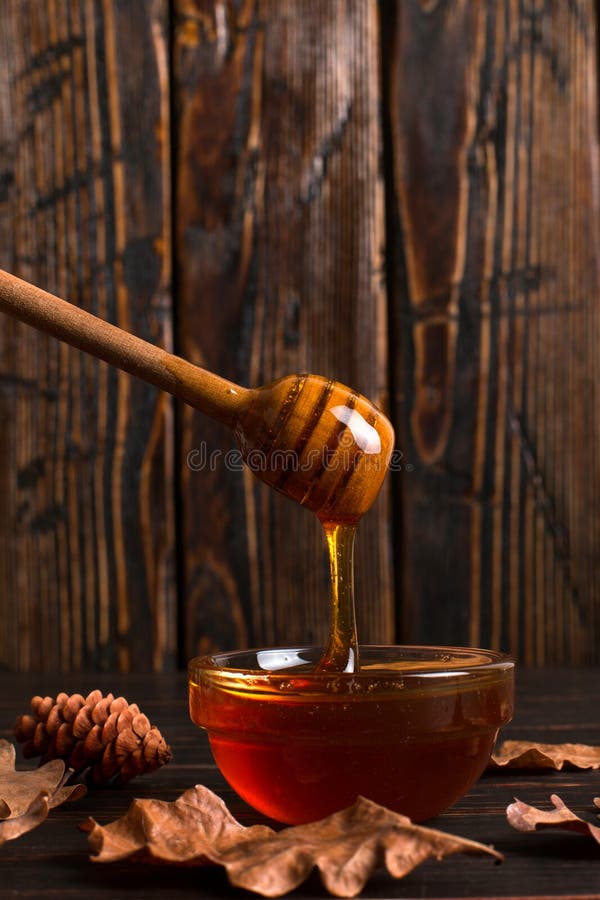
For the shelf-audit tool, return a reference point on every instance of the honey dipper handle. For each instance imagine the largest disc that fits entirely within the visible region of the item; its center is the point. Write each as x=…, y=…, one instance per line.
x=215, y=396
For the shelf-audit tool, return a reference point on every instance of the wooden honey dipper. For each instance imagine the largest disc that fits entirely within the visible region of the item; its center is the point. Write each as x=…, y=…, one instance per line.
x=314, y=440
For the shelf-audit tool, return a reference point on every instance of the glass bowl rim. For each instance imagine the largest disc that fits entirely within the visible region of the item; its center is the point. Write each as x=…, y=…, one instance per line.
x=218, y=666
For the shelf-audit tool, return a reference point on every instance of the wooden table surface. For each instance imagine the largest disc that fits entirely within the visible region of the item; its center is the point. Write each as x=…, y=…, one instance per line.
x=552, y=705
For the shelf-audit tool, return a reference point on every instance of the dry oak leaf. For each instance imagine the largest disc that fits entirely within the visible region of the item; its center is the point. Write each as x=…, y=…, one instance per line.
x=528, y=755
x=27, y=796
x=198, y=829
x=529, y=818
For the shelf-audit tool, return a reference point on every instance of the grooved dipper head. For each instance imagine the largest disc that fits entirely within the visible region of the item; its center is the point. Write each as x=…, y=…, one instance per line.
x=319, y=443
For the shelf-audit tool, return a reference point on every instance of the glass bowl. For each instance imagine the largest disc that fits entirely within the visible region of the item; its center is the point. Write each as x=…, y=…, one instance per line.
x=412, y=730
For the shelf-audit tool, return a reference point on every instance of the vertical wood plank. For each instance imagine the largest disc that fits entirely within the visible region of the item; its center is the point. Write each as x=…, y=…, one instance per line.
x=496, y=306
x=8, y=379
x=86, y=530
x=280, y=230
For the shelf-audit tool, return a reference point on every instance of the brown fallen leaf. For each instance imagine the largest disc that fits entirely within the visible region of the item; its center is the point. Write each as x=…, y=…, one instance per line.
x=198, y=829
x=529, y=818
x=27, y=796
x=33, y=816
x=530, y=755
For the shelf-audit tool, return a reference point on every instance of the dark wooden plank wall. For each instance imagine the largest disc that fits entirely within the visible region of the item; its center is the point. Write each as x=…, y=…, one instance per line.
x=496, y=312
x=288, y=156
x=86, y=458
x=280, y=234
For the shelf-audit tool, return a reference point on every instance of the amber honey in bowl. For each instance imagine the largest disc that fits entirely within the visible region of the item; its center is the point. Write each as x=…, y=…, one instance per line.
x=412, y=730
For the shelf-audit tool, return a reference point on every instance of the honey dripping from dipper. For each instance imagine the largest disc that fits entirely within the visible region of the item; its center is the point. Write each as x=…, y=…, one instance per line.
x=328, y=448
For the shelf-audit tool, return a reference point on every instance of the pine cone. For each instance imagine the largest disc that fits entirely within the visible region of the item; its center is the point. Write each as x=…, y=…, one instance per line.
x=109, y=736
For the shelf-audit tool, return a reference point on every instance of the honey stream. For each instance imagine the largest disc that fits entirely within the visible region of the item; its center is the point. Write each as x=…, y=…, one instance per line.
x=341, y=650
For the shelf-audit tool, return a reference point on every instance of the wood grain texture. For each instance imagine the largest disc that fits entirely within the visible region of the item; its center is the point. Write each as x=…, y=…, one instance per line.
x=86, y=532
x=279, y=236
x=485, y=339
x=496, y=314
